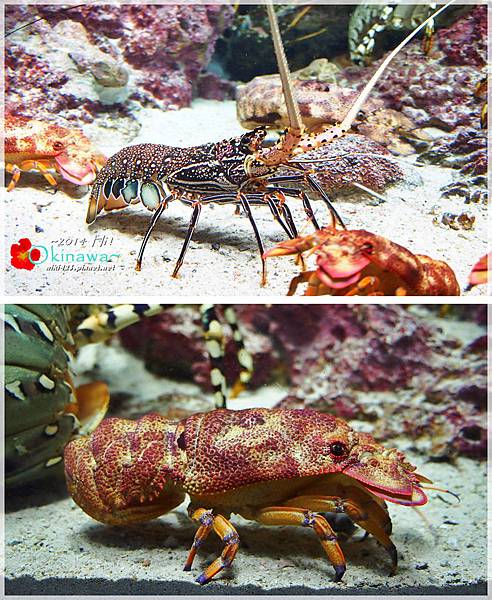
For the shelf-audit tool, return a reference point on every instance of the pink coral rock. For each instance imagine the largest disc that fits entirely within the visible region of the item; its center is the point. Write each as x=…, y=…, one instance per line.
x=159, y=49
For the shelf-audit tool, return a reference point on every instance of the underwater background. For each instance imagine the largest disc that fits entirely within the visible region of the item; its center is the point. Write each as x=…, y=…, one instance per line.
x=415, y=376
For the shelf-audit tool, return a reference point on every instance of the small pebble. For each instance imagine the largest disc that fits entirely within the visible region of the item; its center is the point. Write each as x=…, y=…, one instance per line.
x=171, y=542
x=146, y=562
x=421, y=566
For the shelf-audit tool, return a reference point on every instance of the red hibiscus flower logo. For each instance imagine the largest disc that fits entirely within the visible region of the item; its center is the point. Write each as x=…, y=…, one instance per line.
x=22, y=257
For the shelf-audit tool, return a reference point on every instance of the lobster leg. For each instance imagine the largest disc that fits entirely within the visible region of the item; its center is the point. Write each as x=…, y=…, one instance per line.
x=362, y=509
x=367, y=286
x=258, y=200
x=314, y=185
x=152, y=224
x=274, y=208
x=16, y=173
x=288, y=217
x=228, y=534
x=309, y=180
x=277, y=206
x=247, y=209
x=287, y=515
x=191, y=228
x=306, y=203
x=27, y=165
x=308, y=209
x=304, y=277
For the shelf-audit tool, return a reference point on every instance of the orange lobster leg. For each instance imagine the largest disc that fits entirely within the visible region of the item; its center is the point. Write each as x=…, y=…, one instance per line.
x=283, y=515
x=297, y=280
x=367, y=286
x=28, y=165
x=363, y=510
x=227, y=533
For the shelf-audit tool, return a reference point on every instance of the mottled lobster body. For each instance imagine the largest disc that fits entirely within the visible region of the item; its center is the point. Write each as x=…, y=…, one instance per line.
x=271, y=466
x=153, y=172
x=40, y=146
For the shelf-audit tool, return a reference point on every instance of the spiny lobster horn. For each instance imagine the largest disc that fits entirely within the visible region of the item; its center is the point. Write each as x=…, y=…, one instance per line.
x=287, y=144
x=346, y=124
x=293, y=111
x=293, y=142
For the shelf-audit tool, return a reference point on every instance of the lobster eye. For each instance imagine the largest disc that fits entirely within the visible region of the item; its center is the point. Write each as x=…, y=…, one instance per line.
x=58, y=146
x=181, y=441
x=366, y=248
x=338, y=449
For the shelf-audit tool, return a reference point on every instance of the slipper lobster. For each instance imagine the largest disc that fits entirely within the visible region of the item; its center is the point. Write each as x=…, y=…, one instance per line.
x=480, y=274
x=36, y=145
x=272, y=466
x=361, y=263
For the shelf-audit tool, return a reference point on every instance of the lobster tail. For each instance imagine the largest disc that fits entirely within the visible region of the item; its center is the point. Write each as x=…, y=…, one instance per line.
x=124, y=471
x=92, y=211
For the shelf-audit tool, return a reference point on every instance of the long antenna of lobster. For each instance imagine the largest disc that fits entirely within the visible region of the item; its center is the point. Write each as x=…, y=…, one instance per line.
x=352, y=113
x=283, y=149
x=336, y=131
x=293, y=112
x=12, y=31
x=293, y=142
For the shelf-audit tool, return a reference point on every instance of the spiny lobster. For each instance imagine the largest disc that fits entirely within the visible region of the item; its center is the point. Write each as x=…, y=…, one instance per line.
x=238, y=171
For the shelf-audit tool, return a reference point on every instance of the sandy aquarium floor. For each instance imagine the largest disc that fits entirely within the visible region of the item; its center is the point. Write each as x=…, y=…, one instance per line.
x=223, y=256
x=52, y=547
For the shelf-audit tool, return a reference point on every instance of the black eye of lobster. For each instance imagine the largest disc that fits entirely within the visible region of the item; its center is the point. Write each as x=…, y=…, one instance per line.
x=366, y=248
x=181, y=441
x=338, y=449
x=58, y=146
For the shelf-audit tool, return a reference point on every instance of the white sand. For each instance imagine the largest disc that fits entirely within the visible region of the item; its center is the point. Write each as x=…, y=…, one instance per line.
x=234, y=267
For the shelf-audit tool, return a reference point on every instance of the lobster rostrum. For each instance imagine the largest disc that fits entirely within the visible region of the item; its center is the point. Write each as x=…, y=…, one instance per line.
x=239, y=171
x=273, y=466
